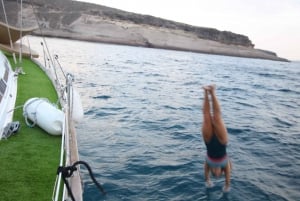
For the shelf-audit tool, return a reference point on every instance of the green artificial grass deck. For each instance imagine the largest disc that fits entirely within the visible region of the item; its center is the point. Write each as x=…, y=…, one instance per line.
x=29, y=160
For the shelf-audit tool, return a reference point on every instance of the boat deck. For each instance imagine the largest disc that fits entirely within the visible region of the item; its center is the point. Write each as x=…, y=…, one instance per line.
x=29, y=160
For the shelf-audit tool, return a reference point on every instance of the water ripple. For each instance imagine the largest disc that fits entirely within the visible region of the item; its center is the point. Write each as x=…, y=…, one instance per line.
x=141, y=132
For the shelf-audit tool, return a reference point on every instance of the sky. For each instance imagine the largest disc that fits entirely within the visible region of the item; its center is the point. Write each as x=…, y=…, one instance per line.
x=270, y=24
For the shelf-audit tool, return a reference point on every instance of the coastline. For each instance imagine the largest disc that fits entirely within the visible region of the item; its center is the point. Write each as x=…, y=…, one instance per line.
x=126, y=33
x=95, y=23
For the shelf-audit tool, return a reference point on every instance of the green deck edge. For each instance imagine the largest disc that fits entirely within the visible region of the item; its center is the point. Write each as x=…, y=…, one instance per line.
x=29, y=160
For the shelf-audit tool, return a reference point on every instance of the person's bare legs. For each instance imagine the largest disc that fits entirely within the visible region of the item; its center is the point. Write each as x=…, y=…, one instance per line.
x=220, y=131
x=207, y=128
x=218, y=124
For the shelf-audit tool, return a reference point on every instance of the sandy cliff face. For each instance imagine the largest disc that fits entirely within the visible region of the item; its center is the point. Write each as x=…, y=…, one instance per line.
x=76, y=20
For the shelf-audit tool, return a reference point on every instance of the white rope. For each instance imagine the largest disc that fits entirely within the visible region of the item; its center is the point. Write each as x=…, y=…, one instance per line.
x=29, y=47
x=65, y=145
x=21, y=32
x=56, y=188
x=51, y=60
x=25, y=113
x=15, y=108
x=8, y=30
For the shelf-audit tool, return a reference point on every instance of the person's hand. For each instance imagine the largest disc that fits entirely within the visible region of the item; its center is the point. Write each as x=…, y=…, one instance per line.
x=226, y=188
x=209, y=184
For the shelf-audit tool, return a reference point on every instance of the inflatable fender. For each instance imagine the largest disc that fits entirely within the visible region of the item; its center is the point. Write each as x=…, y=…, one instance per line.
x=76, y=106
x=43, y=113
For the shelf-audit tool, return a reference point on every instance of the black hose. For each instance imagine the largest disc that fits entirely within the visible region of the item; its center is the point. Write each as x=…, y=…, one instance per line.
x=91, y=175
x=68, y=172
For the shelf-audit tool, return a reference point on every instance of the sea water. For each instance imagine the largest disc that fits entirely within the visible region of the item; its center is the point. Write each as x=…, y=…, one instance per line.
x=141, y=133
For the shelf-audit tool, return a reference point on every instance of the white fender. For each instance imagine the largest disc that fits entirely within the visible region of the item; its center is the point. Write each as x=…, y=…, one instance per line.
x=41, y=112
x=76, y=105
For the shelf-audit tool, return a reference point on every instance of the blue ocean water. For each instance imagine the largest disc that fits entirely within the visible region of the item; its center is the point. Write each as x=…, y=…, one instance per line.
x=141, y=132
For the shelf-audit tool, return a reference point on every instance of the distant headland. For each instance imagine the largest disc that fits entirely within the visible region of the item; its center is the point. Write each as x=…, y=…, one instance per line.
x=96, y=23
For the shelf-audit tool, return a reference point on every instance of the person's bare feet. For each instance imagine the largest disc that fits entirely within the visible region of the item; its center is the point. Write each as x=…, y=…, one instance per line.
x=212, y=87
x=209, y=88
x=206, y=88
x=226, y=189
x=209, y=184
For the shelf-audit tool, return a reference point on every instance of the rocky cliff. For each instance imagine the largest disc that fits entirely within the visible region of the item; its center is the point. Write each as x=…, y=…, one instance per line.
x=84, y=21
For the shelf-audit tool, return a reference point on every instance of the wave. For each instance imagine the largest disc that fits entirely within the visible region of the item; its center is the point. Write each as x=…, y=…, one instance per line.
x=105, y=97
x=143, y=119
